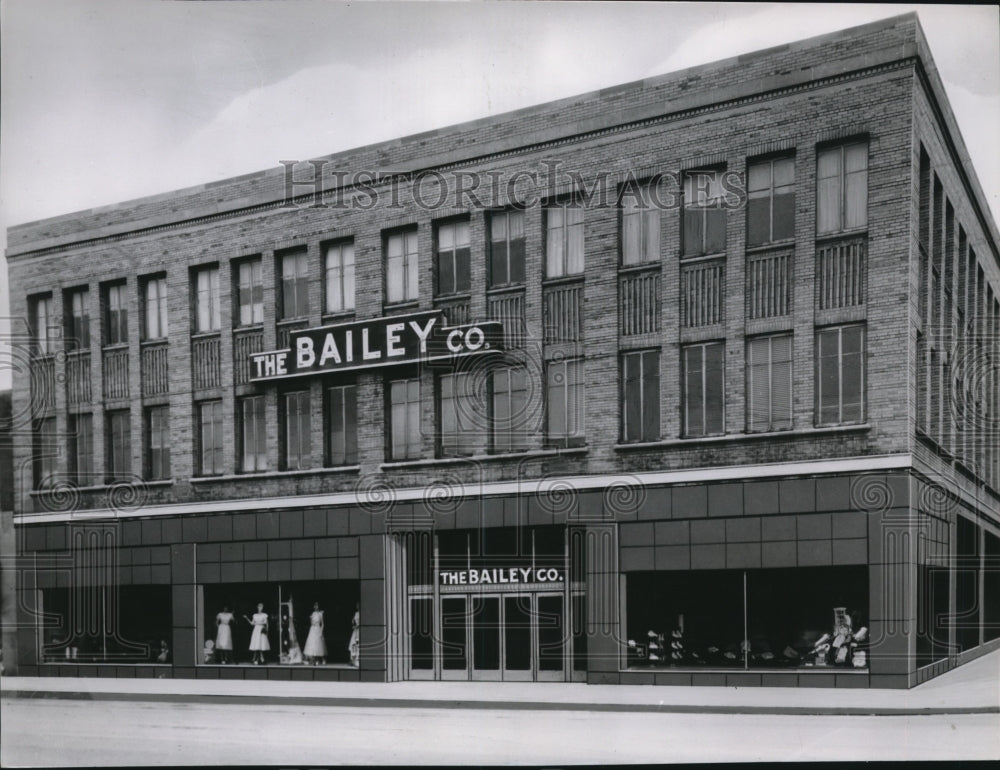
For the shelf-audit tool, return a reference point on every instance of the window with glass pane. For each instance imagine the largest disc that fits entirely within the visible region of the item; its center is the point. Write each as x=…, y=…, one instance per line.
x=44, y=450
x=208, y=317
x=771, y=201
x=298, y=431
x=78, y=320
x=769, y=383
x=640, y=226
x=41, y=318
x=81, y=448
x=253, y=434
x=510, y=419
x=703, y=389
x=404, y=419
x=401, y=266
x=155, y=301
x=158, y=442
x=564, y=402
x=115, y=315
x=295, y=285
x=507, y=248
x=840, y=375
x=342, y=430
x=453, y=258
x=842, y=188
x=641, y=396
x=250, y=292
x=461, y=415
x=118, y=441
x=564, y=239
x=339, y=268
x=211, y=438
x=704, y=229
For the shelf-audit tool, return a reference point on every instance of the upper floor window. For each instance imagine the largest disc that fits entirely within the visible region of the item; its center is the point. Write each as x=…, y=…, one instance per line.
x=510, y=418
x=208, y=315
x=115, y=314
x=769, y=383
x=250, y=291
x=211, y=438
x=295, y=285
x=158, y=442
x=704, y=228
x=461, y=424
x=80, y=428
x=842, y=188
x=453, y=258
x=771, y=201
x=704, y=394
x=339, y=270
x=640, y=225
x=41, y=319
x=250, y=412
x=507, y=248
x=641, y=396
x=342, y=425
x=77, y=306
x=118, y=445
x=564, y=394
x=296, y=424
x=155, y=315
x=404, y=419
x=564, y=239
x=840, y=375
x=401, y=267
x=44, y=451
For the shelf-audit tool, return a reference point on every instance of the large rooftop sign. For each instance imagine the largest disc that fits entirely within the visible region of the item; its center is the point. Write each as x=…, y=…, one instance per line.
x=389, y=341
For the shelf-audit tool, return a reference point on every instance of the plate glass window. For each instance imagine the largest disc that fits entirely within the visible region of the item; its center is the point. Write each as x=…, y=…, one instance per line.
x=250, y=292
x=155, y=301
x=453, y=258
x=340, y=277
x=564, y=239
x=771, y=201
x=704, y=213
x=640, y=225
x=769, y=383
x=840, y=385
x=78, y=320
x=208, y=316
x=507, y=248
x=703, y=389
x=641, y=396
x=401, y=266
x=295, y=285
x=842, y=188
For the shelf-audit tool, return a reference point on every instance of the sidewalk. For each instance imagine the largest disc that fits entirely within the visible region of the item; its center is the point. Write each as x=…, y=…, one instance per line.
x=969, y=689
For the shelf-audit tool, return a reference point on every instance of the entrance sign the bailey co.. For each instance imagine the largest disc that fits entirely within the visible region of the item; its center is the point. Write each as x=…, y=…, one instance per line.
x=500, y=575
x=379, y=342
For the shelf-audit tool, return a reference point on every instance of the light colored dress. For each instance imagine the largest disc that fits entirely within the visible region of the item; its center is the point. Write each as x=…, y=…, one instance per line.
x=315, y=644
x=258, y=641
x=224, y=634
x=353, y=645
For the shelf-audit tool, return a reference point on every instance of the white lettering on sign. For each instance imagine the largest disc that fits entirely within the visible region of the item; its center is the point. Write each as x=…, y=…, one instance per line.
x=500, y=576
x=392, y=348
x=423, y=332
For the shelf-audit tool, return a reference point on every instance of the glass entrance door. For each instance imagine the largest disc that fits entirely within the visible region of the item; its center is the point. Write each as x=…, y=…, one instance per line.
x=486, y=637
x=517, y=633
x=551, y=637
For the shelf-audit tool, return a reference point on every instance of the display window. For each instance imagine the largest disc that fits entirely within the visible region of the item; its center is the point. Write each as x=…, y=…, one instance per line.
x=106, y=624
x=310, y=623
x=746, y=619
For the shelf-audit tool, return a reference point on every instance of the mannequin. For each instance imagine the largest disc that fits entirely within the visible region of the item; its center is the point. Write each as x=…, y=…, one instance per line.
x=315, y=649
x=258, y=640
x=224, y=636
x=354, y=645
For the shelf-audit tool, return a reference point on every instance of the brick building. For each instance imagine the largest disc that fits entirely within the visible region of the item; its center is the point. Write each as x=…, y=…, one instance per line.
x=690, y=380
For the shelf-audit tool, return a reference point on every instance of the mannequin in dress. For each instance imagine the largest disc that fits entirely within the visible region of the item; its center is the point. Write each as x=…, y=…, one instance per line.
x=354, y=645
x=224, y=636
x=258, y=640
x=315, y=650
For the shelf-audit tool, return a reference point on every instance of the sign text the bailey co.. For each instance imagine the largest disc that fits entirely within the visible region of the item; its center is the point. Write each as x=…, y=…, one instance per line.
x=379, y=342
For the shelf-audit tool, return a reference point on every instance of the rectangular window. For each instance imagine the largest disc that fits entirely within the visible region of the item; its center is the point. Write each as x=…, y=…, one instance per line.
x=507, y=248
x=118, y=443
x=250, y=292
x=401, y=267
x=81, y=449
x=342, y=428
x=769, y=383
x=842, y=188
x=77, y=307
x=564, y=391
x=44, y=451
x=509, y=420
x=155, y=308
x=770, y=201
x=295, y=285
x=704, y=399
x=115, y=314
x=459, y=410
x=641, y=396
x=208, y=317
x=253, y=434
x=640, y=226
x=339, y=270
x=564, y=239
x=298, y=430
x=840, y=365
x=41, y=320
x=211, y=438
x=158, y=442
x=704, y=229
x=404, y=419
x=453, y=258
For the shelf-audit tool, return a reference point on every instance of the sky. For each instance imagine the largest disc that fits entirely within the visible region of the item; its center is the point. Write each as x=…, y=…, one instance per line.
x=106, y=100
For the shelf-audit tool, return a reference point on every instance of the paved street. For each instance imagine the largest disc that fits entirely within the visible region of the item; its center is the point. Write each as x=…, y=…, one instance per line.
x=46, y=732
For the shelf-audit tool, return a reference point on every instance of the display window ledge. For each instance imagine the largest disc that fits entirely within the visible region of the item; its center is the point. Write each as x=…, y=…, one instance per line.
x=673, y=443
x=308, y=666
x=754, y=670
x=78, y=663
